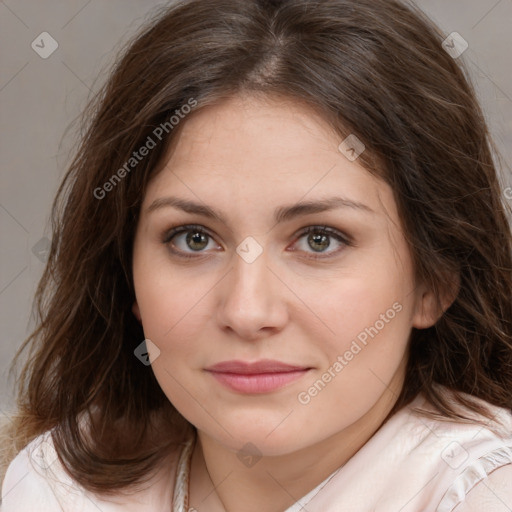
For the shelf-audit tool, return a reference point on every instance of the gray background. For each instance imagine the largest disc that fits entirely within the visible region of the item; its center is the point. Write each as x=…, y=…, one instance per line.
x=39, y=98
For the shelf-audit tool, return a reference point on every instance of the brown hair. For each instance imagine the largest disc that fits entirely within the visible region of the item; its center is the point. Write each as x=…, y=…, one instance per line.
x=374, y=68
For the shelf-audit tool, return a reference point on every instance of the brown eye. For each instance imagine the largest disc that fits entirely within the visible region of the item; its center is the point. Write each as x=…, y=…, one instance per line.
x=196, y=239
x=318, y=239
x=318, y=242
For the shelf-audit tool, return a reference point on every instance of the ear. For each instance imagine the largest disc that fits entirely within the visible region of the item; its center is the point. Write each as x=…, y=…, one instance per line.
x=136, y=311
x=428, y=308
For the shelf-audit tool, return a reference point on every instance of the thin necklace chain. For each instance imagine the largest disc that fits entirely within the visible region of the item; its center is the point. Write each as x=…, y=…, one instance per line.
x=180, y=502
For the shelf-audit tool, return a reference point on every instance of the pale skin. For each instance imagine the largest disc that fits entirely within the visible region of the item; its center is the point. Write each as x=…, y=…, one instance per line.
x=244, y=158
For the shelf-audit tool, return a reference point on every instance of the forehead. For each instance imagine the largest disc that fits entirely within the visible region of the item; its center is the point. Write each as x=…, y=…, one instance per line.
x=252, y=128
x=263, y=152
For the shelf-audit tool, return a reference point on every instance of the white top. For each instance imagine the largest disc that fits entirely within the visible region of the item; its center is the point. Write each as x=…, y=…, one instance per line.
x=411, y=464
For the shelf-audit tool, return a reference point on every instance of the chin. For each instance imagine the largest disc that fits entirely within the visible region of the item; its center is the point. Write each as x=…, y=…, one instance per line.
x=262, y=441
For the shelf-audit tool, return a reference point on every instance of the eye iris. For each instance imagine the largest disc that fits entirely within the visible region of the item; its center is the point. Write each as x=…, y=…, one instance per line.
x=197, y=237
x=321, y=239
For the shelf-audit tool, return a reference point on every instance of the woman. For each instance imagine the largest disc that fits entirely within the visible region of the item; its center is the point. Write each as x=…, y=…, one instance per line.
x=280, y=277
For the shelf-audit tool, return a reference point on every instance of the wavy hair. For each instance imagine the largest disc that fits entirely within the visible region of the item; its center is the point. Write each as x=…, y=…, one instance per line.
x=374, y=68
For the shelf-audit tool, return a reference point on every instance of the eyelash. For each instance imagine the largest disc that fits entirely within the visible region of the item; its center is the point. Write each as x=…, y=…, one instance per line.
x=324, y=230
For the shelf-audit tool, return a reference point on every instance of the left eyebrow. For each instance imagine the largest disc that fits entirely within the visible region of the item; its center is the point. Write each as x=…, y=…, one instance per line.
x=286, y=213
x=281, y=214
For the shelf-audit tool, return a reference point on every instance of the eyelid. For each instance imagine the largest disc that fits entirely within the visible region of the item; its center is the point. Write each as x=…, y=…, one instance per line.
x=336, y=233
x=340, y=236
x=180, y=229
x=183, y=228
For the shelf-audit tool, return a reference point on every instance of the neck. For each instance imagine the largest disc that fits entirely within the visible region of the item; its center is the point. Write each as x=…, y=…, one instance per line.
x=220, y=483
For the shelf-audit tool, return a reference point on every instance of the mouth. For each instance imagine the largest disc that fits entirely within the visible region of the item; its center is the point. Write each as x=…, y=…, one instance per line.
x=262, y=376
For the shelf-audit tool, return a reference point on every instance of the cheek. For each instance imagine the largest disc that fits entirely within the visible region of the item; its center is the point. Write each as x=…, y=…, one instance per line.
x=169, y=298
x=173, y=317
x=173, y=320
x=371, y=320
x=358, y=304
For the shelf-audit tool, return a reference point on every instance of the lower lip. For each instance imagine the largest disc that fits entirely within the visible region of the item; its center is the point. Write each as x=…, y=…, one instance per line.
x=257, y=383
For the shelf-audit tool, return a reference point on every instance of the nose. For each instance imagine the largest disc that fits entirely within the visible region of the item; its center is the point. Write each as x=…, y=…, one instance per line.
x=252, y=299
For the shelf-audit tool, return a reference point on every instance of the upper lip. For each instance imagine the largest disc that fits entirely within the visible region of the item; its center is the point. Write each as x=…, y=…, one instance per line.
x=248, y=368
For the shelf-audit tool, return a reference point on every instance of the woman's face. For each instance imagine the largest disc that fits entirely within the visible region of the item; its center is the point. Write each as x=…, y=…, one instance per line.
x=338, y=302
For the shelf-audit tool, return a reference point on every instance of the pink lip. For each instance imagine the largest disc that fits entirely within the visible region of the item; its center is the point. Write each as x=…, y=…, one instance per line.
x=258, y=377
